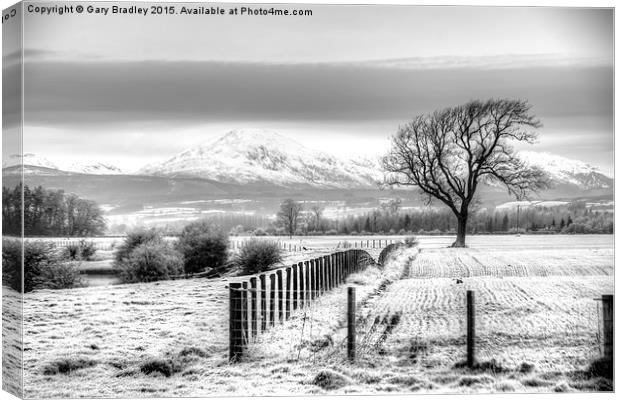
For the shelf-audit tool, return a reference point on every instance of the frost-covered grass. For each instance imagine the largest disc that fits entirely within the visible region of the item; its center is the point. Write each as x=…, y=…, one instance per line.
x=169, y=338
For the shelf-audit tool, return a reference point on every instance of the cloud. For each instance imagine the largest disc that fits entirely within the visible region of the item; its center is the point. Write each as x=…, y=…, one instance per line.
x=113, y=93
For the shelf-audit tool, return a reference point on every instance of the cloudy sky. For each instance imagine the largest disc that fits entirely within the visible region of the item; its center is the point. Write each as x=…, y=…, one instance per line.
x=133, y=89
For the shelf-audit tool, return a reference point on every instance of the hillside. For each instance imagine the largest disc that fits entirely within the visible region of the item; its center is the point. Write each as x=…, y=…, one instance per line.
x=256, y=155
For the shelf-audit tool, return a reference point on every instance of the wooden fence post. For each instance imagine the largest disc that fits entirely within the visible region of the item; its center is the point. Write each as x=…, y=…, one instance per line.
x=287, y=298
x=280, y=296
x=235, y=337
x=338, y=266
x=324, y=275
x=307, y=279
x=317, y=276
x=312, y=279
x=254, y=308
x=328, y=275
x=608, y=326
x=347, y=260
x=302, y=285
x=295, y=287
x=263, y=302
x=351, y=324
x=272, y=299
x=332, y=271
x=471, y=329
x=244, y=312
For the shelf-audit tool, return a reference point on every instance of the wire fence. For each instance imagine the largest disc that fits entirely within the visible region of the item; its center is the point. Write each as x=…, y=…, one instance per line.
x=512, y=331
x=261, y=301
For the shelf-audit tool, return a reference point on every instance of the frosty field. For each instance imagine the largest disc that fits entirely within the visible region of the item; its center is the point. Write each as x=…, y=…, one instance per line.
x=536, y=316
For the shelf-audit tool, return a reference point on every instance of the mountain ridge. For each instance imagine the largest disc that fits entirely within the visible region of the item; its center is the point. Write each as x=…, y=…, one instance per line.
x=260, y=156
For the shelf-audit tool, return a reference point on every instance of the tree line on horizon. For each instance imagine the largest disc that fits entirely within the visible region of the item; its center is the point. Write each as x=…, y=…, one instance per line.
x=48, y=212
x=389, y=218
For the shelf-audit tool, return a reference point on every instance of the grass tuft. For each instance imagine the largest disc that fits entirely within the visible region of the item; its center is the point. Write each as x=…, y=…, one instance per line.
x=594, y=385
x=475, y=380
x=193, y=351
x=411, y=382
x=486, y=366
x=507, y=386
x=562, y=387
x=164, y=367
x=526, y=368
x=330, y=380
x=536, y=382
x=366, y=377
x=67, y=365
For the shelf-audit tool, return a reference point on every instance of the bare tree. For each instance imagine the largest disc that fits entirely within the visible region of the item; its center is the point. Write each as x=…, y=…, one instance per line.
x=448, y=153
x=288, y=216
x=317, y=211
x=392, y=206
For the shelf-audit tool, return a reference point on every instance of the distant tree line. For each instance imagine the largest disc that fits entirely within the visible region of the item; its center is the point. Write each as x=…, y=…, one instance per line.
x=390, y=218
x=49, y=213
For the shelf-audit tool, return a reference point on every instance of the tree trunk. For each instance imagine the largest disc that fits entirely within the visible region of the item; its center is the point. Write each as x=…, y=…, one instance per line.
x=461, y=230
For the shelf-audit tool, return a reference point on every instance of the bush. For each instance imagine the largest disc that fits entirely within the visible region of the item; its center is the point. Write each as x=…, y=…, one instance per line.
x=134, y=239
x=83, y=250
x=258, y=256
x=151, y=261
x=237, y=230
x=12, y=264
x=411, y=241
x=203, y=245
x=259, y=232
x=61, y=275
x=42, y=268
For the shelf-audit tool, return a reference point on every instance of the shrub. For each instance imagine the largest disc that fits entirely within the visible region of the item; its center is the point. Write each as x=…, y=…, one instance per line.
x=83, y=250
x=237, y=230
x=134, y=239
x=151, y=261
x=203, y=245
x=411, y=241
x=42, y=267
x=59, y=275
x=71, y=252
x=87, y=250
x=258, y=256
x=259, y=232
x=12, y=263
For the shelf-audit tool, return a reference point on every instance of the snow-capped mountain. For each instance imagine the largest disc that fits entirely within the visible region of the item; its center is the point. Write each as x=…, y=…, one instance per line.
x=28, y=159
x=33, y=163
x=95, y=168
x=258, y=155
x=564, y=170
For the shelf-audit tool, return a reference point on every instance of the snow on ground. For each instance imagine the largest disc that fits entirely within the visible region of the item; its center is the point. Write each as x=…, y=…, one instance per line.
x=539, y=310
